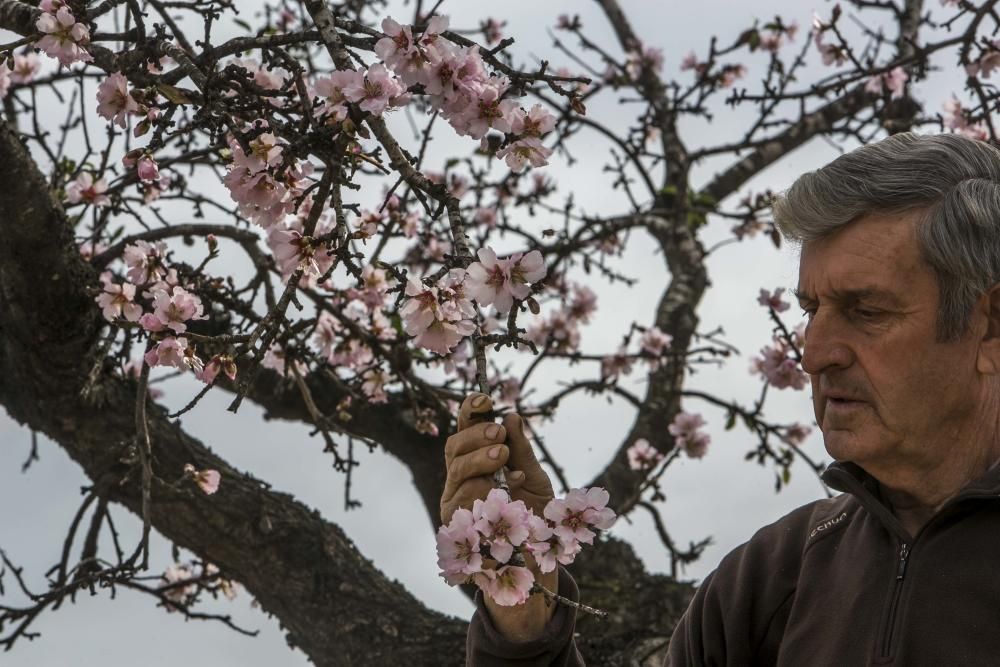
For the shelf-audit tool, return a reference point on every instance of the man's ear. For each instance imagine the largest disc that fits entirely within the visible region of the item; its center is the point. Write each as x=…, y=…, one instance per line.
x=988, y=359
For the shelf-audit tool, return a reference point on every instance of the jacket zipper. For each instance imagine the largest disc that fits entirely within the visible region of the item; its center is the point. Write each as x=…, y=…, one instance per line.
x=904, y=555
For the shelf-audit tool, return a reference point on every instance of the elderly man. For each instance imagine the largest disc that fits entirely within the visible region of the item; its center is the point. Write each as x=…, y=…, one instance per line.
x=898, y=277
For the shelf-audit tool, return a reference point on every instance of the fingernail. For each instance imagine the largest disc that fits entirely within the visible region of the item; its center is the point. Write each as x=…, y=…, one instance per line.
x=517, y=475
x=478, y=400
x=492, y=431
x=494, y=452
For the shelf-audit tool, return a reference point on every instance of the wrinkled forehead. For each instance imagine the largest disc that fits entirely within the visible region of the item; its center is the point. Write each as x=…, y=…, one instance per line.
x=874, y=253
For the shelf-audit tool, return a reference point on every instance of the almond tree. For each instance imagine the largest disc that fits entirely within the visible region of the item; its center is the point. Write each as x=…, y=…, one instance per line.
x=371, y=291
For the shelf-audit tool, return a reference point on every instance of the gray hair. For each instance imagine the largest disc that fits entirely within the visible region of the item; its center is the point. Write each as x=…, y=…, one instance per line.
x=952, y=180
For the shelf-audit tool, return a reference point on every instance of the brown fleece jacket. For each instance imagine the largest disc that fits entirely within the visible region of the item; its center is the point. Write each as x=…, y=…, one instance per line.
x=837, y=582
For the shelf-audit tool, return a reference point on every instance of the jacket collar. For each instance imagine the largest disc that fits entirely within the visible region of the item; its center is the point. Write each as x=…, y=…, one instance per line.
x=852, y=478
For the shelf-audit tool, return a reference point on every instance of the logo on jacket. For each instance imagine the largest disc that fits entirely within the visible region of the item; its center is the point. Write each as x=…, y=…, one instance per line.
x=827, y=525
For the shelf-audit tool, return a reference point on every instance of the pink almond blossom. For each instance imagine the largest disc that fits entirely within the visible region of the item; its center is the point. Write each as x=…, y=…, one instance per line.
x=374, y=89
x=174, y=308
x=173, y=352
x=773, y=301
x=534, y=123
x=508, y=586
x=502, y=522
x=458, y=548
x=63, y=37
x=117, y=301
x=145, y=261
x=523, y=152
x=26, y=68
x=578, y=512
x=642, y=455
x=114, y=102
x=220, y=362
x=207, y=480
x=333, y=104
x=894, y=81
x=85, y=189
x=778, y=366
x=654, y=343
x=500, y=281
x=685, y=429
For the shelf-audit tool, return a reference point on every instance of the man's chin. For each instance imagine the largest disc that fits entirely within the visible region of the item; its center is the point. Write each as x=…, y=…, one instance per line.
x=842, y=444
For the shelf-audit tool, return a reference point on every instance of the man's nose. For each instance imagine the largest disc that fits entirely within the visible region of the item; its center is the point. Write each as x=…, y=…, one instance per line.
x=825, y=345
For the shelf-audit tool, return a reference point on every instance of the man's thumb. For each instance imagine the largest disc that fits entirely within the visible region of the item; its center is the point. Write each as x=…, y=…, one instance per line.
x=522, y=456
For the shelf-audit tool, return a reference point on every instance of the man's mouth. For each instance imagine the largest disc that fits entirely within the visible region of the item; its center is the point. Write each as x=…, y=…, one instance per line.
x=842, y=404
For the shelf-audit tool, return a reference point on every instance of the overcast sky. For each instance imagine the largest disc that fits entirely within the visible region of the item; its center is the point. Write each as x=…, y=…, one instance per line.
x=720, y=495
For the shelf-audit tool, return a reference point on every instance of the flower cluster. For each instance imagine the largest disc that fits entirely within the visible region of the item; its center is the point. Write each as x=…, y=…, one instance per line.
x=956, y=118
x=726, y=76
x=685, y=429
x=86, y=190
x=64, y=38
x=439, y=316
x=561, y=329
x=182, y=581
x=488, y=544
x=470, y=99
x=778, y=364
x=988, y=61
x=773, y=301
x=265, y=193
x=773, y=39
x=374, y=90
x=654, y=343
x=26, y=66
x=831, y=54
x=642, y=455
x=500, y=281
x=894, y=81
x=166, y=309
x=293, y=249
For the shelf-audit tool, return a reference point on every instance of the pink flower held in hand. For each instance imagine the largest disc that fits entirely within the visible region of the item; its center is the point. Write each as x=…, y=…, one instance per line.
x=85, y=189
x=581, y=510
x=642, y=455
x=207, y=480
x=64, y=38
x=502, y=522
x=510, y=585
x=458, y=548
x=114, y=102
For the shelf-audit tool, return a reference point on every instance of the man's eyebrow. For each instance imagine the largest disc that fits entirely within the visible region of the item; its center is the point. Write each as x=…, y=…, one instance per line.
x=855, y=295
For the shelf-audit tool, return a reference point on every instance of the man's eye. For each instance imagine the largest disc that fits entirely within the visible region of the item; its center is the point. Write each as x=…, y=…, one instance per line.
x=866, y=314
x=808, y=313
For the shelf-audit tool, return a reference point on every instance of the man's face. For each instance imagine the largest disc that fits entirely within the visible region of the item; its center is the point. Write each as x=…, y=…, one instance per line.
x=885, y=392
